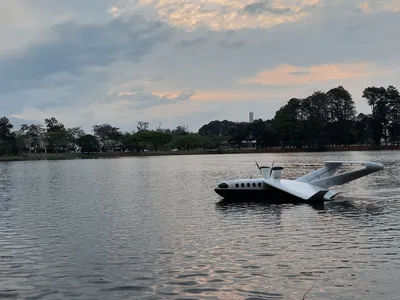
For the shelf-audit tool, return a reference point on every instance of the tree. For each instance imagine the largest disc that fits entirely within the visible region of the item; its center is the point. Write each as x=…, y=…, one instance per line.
x=257, y=131
x=131, y=142
x=23, y=140
x=180, y=130
x=217, y=128
x=239, y=134
x=187, y=141
x=36, y=135
x=374, y=95
x=56, y=136
x=57, y=140
x=7, y=138
x=158, y=140
x=363, y=129
x=88, y=143
x=107, y=134
x=377, y=98
x=53, y=125
x=5, y=128
x=142, y=126
x=342, y=106
x=73, y=134
x=287, y=124
x=393, y=97
x=342, y=115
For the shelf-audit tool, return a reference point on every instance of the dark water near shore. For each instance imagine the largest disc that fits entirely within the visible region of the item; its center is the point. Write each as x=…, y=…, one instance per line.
x=152, y=228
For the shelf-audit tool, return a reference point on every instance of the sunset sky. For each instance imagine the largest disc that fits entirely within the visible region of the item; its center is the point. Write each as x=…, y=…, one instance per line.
x=188, y=62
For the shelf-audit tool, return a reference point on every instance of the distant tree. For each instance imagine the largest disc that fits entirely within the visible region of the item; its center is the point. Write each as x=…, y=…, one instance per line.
x=88, y=143
x=7, y=138
x=5, y=128
x=239, y=134
x=393, y=97
x=342, y=115
x=56, y=136
x=142, y=126
x=342, y=106
x=54, y=125
x=186, y=142
x=131, y=142
x=377, y=98
x=374, y=95
x=180, y=130
x=218, y=128
x=158, y=140
x=73, y=134
x=287, y=123
x=107, y=134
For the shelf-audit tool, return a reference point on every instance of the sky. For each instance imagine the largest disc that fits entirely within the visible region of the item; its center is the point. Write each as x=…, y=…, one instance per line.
x=180, y=62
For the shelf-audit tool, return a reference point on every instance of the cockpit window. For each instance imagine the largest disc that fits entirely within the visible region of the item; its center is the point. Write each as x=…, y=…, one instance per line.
x=223, y=185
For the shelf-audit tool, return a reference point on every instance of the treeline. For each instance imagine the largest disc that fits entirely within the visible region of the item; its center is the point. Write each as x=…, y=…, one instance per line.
x=321, y=120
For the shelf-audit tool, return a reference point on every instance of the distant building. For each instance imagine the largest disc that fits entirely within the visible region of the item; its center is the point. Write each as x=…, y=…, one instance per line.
x=251, y=117
x=249, y=144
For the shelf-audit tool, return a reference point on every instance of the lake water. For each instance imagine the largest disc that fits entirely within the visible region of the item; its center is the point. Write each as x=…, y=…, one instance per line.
x=152, y=228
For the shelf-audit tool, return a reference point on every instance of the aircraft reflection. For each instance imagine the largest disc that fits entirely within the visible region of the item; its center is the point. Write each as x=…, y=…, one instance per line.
x=355, y=206
x=350, y=207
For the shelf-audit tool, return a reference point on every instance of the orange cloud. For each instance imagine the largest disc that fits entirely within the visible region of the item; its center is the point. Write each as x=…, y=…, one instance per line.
x=365, y=7
x=126, y=93
x=393, y=5
x=226, y=95
x=167, y=95
x=388, y=5
x=216, y=95
x=219, y=14
x=292, y=75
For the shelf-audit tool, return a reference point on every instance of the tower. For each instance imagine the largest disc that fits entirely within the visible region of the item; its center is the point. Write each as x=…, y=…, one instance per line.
x=251, y=117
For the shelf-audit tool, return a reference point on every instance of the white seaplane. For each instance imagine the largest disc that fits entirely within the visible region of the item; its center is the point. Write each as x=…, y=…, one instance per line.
x=312, y=187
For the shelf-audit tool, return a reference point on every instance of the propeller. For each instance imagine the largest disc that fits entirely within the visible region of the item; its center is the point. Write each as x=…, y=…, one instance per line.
x=258, y=167
x=270, y=170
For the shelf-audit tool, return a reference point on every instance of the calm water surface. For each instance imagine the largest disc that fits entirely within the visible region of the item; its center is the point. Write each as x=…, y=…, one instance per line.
x=152, y=228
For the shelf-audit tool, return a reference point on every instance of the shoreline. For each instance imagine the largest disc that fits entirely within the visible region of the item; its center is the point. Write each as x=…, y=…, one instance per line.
x=104, y=155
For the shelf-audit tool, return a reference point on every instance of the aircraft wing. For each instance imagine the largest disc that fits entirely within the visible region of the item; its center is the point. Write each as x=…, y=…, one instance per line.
x=298, y=189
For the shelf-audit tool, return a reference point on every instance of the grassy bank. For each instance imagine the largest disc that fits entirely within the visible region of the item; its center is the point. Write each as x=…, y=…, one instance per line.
x=63, y=156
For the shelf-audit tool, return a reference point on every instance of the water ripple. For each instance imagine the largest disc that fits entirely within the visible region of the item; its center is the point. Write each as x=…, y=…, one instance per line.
x=152, y=228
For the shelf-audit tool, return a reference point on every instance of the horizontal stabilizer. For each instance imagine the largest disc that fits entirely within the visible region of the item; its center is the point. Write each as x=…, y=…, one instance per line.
x=298, y=189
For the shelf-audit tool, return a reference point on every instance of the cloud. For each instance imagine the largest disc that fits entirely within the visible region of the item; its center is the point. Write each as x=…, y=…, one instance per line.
x=129, y=101
x=292, y=75
x=374, y=6
x=191, y=43
x=219, y=14
x=262, y=7
x=214, y=96
x=76, y=47
x=67, y=69
x=120, y=61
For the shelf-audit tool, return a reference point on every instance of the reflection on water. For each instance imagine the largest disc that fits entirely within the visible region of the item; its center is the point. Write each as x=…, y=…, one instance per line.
x=153, y=228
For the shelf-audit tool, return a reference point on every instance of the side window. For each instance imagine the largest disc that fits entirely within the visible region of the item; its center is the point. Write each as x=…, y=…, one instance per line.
x=248, y=184
x=254, y=184
x=259, y=184
x=237, y=185
x=242, y=184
